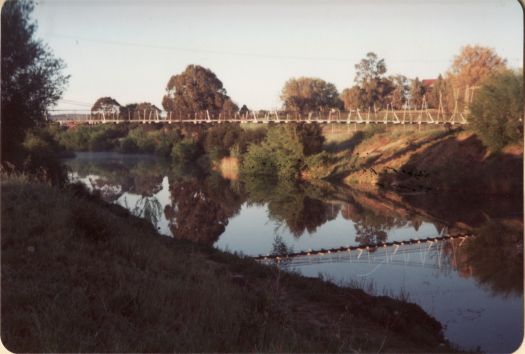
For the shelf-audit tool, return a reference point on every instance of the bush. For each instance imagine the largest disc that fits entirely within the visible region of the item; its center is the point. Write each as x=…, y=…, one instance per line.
x=41, y=153
x=319, y=165
x=496, y=113
x=128, y=146
x=259, y=160
x=185, y=151
x=280, y=154
x=310, y=136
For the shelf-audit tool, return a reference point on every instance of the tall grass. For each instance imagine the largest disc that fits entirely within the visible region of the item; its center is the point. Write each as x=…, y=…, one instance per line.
x=81, y=275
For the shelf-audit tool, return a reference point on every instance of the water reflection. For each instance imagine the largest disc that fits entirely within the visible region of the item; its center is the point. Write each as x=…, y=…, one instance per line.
x=474, y=286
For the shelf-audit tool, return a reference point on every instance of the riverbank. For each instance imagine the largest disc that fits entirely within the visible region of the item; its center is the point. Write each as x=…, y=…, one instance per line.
x=87, y=276
x=410, y=159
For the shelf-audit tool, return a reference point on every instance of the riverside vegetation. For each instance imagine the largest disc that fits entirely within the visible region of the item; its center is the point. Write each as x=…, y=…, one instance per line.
x=99, y=279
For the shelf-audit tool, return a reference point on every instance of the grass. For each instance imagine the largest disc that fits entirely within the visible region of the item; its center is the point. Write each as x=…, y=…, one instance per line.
x=80, y=275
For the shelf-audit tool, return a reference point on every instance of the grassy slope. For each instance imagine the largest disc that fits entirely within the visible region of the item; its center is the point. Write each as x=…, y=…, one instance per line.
x=444, y=160
x=82, y=275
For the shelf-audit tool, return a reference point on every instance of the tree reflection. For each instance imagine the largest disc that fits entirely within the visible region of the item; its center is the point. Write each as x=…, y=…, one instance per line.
x=200, y=210
x=495, y=257
x=147, y=207
x=369, y=234
x=298, y=206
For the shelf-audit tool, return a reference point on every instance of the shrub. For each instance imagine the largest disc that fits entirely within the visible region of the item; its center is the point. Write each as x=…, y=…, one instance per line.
x=185, y=151
x=496, y=113
x=280, y=154
x=310, y=136
x=258, y=160
x=42, y=157
x=128, y=146
x=319, y=165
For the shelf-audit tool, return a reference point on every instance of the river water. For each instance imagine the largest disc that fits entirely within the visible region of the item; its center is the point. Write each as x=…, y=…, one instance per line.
x=473, y=286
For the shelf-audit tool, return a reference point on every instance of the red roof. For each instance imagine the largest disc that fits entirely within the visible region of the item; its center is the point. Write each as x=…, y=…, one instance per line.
x=428, y=82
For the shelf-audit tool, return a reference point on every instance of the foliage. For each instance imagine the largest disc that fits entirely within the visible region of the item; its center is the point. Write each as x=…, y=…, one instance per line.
x=305, y=94
x=473, y=64
x=399, y=95
x=32, y=78
x=497, y=109
x=185, y=151
x=220, y=139
x=441, y=87
x=194, y=90
x=258, y=161
x=352, y=98
x=283, y=151
x=133, y=287
x=374, y=88
x=42, y=157
x=417, y=91
x=244, y=110
x=106, y=105
x=310, y=136
x=320, y=165
x=127, y=112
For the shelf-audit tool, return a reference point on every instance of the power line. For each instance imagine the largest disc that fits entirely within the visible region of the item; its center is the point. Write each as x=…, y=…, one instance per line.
x=222, y=52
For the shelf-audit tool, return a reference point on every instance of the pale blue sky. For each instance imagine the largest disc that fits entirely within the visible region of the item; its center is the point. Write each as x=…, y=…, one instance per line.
x=129, y=49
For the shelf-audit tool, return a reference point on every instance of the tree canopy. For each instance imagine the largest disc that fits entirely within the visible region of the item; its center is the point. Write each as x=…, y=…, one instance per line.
x=32, y=78
x=473, y=64
x=194, y=90
x=497, y=109
x=305, y=94
x=106, y=105
x=374, y=88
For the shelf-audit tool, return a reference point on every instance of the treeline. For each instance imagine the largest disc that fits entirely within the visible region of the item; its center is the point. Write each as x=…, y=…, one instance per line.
x=276, y=151
x=198, y=91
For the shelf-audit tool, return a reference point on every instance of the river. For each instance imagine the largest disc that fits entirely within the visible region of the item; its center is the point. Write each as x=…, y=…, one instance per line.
x=473, y=286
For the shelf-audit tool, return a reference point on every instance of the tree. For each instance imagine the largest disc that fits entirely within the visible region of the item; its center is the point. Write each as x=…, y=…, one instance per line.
x=399, y=94
x=146, y=110
x=106, y=105
x=369, y=69
x=469, y=68
x=496, y=112
x=194, y=90
x=127, y=111
x=352, y=98
x=441, y=87
x=375, y=88
x=229, y=108
x=304, y=94
x=32, y=78
x=244, y=110
x=417, y=91
x=473, y=64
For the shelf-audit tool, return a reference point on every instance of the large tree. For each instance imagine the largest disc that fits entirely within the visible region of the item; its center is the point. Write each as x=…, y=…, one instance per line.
x=143, y=110
x=375, y=87
x=470, y=67
x=305, y=94
x=106, y=105
x=473, y=64
x=32, y=78
x=353, y=98
x=195, y=90
x=497, y=110
x=399, y=94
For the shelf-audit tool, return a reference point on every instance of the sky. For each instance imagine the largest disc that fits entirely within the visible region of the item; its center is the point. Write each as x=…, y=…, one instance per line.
x=129, y=49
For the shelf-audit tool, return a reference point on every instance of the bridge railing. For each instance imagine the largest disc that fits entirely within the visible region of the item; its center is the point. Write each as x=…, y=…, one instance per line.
x=356, y=116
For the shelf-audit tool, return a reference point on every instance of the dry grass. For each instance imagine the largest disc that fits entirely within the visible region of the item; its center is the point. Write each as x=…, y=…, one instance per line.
x=79, y=275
